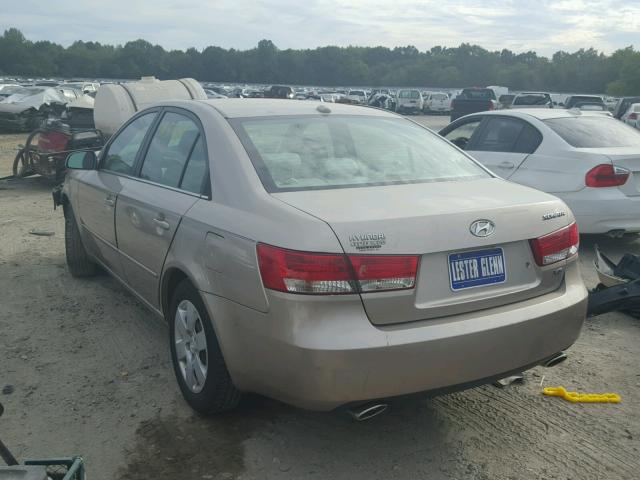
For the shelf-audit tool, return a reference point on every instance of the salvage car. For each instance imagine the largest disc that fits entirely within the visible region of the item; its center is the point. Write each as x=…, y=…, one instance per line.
x=322, y=254
x=409, y=101
x=576, y=101
x=437, y=102
x=532, y=100
x=589, y=160
x=26, y=107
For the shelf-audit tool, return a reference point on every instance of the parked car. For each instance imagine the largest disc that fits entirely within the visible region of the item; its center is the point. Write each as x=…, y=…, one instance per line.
x=357, y=96
x=589, y=160
x=575, y=101
x=472, y=100
x=532, y=100
x=279, y=91
x=610, y=103
x=620, y=109
x=409, y=101
x=437, y=102
x=335, y=259
x=630, y=117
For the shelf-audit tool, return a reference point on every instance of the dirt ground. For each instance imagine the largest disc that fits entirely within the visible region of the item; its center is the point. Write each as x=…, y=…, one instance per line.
x=85, y=369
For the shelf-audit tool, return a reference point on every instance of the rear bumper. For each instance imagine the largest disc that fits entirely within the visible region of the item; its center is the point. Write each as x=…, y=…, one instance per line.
x=323, y=353
x=604, y=209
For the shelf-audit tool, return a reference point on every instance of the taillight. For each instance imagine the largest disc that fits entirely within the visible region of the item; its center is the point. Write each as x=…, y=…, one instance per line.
x=330, y=274
x=556, y=246
x=375, y=273
x=606, y=175
x=633, y=116
x=491, y=105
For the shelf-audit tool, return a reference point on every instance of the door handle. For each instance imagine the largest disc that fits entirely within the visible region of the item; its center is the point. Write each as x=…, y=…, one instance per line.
x=162, y=223
x=508, y=165
x=110, y=201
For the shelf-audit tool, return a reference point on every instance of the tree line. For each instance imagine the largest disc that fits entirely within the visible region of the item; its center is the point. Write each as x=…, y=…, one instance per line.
x=585, y=70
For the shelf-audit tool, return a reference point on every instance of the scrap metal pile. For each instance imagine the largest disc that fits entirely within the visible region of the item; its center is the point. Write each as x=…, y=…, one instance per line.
x=619, y=287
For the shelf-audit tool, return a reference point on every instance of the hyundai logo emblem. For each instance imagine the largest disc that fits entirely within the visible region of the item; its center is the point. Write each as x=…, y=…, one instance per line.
x=482, y=228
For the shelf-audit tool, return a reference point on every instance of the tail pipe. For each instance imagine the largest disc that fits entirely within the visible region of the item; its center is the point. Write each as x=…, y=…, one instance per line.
x=367, y=411
x=555, y=359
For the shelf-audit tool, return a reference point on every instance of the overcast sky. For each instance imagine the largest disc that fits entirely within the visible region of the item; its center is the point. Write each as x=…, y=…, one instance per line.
x=520, y=25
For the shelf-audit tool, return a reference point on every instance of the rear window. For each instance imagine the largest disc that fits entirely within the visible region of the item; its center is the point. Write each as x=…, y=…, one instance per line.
x=595, y=132
x=409, y=94
x=311, y=153
x=477, y=94
x=439, y=96
x=531, y=100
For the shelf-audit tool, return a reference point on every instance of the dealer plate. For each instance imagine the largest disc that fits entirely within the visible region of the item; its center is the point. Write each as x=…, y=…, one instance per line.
x=476, y=269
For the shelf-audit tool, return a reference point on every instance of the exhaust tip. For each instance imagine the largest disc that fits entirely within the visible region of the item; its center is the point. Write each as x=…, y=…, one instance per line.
x=555, y=360
x=368, y=411
x=619, y=233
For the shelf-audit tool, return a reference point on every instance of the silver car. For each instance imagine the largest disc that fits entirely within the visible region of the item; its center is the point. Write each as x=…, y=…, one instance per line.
x=323, y=255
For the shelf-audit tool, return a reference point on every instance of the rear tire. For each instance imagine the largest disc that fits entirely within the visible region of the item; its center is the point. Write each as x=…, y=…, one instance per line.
x=212, y=391
x=78, y=260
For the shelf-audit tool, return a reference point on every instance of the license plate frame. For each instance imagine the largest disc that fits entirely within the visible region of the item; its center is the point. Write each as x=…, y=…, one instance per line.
x=458, y=273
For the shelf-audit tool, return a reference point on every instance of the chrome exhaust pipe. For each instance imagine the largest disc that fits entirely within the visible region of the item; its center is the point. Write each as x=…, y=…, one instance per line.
x=367, y=411
x=555, y=360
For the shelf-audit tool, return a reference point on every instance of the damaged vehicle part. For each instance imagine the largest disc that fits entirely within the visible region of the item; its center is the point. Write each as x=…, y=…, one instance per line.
x=26, y=108
x=619, y=287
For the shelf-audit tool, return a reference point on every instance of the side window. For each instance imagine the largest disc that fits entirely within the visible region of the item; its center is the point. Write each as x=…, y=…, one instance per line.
x=461, y=135
x=169, y=149
x=121, y=156
x=196, y=170
x=528, y=140
x=499, y=135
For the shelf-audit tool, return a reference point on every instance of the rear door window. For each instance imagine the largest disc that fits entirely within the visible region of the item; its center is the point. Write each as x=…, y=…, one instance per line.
x=197, y=170
x=499, y=135
x=169, y=150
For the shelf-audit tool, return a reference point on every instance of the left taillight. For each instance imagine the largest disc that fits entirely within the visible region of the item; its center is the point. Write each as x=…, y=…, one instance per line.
x=293, y=271
x=606, y=175
x=556, y=246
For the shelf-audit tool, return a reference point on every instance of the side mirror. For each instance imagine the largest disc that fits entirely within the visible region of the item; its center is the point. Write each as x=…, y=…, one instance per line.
x=82, y=161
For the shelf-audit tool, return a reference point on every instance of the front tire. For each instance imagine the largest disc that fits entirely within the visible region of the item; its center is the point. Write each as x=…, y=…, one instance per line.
x=198, y=364
x=78, y=260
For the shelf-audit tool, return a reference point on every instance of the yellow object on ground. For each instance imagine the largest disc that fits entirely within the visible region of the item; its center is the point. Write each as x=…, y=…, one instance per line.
x=576, y=397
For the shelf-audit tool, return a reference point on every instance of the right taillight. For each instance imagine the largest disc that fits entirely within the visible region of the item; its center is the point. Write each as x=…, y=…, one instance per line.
x=606, y=175
x=293, y=271
x=633, y=116
x=556, y=246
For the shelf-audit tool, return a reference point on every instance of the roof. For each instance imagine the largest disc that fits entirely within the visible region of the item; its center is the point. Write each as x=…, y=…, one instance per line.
x=263, y=107
x=543, y=113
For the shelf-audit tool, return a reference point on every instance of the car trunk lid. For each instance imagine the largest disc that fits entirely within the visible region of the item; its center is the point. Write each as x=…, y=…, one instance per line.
x=433, y=221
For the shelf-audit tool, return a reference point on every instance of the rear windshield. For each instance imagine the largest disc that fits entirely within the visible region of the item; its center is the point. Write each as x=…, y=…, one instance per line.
x=312, y=153
x=409, y=94
x=439, y=96
x=532, y=99
x=595, y=132
x=357, y=92
x=477, y=94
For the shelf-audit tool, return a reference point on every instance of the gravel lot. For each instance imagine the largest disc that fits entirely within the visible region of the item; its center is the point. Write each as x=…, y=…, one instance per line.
x=90, y=372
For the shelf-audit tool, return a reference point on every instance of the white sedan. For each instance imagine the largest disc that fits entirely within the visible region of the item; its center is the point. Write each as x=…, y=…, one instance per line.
x=590, y=161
